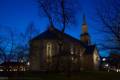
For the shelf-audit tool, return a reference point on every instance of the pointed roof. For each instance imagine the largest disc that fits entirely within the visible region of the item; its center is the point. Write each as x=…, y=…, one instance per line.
x=55, y=34
x=84, y=25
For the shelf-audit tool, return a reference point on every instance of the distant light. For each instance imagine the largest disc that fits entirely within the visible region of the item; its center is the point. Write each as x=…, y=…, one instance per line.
x=21, y=60
x=28, y=63
x=10, y=70
x=104, y=59
x=72, y=58
x=14, y=69
x=117, y=70
x=106, y=65
x=1, y=70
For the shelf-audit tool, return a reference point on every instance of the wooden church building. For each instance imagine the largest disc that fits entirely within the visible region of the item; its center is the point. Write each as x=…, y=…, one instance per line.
x=54, y=50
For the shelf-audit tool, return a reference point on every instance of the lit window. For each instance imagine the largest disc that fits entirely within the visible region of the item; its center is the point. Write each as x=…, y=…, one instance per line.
x=71, y=50
x=21, y=68
x=117, y=70
x=21, y=60
x=72, y=58
x=14, y=69
x=1, y=70
x=10, y=70
x=49, y=52
x=28, y=63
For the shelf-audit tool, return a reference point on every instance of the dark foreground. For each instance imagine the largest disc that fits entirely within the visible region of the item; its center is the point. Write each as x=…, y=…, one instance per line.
x=59, y=76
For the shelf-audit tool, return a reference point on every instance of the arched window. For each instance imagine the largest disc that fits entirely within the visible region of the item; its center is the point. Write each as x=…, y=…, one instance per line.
x=49, y=49
x=49, y=52
x=72, y=52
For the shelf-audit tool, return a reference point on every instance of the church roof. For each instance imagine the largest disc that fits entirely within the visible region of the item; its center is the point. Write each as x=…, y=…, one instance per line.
x=56, y=34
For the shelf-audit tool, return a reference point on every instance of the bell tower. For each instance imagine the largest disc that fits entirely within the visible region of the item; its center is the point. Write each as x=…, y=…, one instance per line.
x=85, y=38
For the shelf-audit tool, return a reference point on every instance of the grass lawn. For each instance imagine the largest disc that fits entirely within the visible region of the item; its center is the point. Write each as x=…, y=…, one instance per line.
x=62, y=76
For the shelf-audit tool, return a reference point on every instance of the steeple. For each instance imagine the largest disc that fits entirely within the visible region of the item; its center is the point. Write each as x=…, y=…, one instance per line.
x=85, y=38
x=84, y=25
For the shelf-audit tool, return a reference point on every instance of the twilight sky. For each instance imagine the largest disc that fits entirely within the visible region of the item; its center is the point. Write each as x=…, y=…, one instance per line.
x=18, y=14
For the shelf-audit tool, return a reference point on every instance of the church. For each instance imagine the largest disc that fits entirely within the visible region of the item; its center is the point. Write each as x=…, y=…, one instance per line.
x=53, y=50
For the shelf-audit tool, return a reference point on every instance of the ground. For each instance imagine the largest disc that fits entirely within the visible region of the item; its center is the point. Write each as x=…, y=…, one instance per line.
x=65, y=76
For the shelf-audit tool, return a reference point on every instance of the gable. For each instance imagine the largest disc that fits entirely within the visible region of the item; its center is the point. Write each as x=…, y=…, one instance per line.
x=55, y=34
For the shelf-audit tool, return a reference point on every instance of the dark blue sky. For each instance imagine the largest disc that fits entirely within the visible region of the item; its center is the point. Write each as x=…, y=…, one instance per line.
x=19, y=13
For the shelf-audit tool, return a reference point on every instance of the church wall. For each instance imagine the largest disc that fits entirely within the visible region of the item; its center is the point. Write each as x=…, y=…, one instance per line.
x=49, y=62
x=72, y=61
x=38, y=56
x=88, y=62
x=96, y=59
x=34, y=56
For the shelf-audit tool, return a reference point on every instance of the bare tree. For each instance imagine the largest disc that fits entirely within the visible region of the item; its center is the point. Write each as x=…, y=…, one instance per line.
x=13, y=45
x=22, y=49
x=7, y=43
x=109, y=14
x=2, y=51
x=62, y=12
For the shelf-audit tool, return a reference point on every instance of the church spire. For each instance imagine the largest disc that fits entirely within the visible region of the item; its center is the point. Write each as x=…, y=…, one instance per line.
x=84, y=25
x=85, y=38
